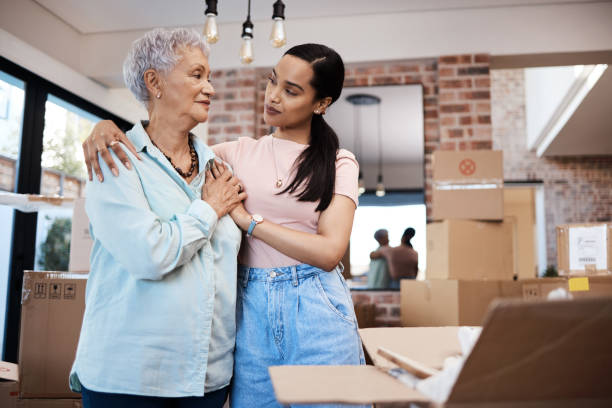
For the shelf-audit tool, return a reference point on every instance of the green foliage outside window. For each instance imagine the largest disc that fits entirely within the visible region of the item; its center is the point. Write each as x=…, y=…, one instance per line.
x=55, y=250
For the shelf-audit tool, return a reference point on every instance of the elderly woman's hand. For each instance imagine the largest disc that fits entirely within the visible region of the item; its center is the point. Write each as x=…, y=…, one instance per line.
x=104, y=135
x=223, y=192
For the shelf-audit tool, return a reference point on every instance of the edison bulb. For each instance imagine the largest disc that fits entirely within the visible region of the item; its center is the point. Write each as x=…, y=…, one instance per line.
x=246, y=50
x=278, y=37
x=380, y=190
x=362, y=188
x=211, y=31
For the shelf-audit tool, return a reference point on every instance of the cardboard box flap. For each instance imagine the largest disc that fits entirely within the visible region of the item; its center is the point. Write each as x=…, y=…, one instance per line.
x=9, y=371
x=480, y=166
x=537, y=351
x=427, y=345
x=339, y=385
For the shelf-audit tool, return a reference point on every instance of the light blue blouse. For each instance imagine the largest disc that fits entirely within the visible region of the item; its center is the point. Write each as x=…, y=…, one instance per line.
x=160, y=316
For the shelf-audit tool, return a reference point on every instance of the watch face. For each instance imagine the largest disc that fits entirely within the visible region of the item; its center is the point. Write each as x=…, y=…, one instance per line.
x=257, y=218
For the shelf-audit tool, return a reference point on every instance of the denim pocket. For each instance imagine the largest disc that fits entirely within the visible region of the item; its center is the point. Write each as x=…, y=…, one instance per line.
x=334, y=294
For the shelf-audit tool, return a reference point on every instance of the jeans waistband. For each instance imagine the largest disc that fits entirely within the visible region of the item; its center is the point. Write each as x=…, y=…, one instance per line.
x=282, y=273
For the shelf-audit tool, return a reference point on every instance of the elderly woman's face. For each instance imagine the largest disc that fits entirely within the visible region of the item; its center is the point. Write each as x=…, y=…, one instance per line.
x=187, y=90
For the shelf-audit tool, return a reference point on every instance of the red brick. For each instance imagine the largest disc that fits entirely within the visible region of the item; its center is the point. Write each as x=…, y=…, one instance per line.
x=447, y=146
x=478, y=58
x=403, y=68
x=413, y=79
x=234, y=106
x=431, y=113
x=447, y=96
x=430, y=101
x=448, y=121
x=455, y=133
x=483, y=107
x=473, y=71
x=483, y=132
x=482, y=82
x=232, y=129
x=475, y=95
x=238, y=83
x=455, y=83
x=369, y=70
x=482, y=145
x=387, y=80
x=450, y=59
x=452, y=108
x=484, y=119
x=465, y=120
x=247, y=93
x=447, y=72
x=222, y=118
x=356, y=81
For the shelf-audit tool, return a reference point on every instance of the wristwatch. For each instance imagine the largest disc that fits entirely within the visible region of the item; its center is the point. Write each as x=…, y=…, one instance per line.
x=255, y=219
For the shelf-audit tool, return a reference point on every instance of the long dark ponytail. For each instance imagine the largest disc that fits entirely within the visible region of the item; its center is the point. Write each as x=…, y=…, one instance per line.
x=317, y=163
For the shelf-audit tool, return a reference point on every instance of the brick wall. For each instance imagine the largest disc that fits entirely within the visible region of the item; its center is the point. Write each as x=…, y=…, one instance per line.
x=387, y=306
x=52, y=183
x=576, y=189
x=456, y=101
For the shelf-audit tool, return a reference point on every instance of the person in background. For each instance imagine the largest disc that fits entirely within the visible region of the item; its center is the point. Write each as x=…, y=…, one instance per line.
x=402, y=261
x=378, y=275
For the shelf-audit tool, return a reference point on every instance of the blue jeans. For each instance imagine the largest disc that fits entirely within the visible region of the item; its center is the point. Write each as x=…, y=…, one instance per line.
x=295, y=315
x=94, y=399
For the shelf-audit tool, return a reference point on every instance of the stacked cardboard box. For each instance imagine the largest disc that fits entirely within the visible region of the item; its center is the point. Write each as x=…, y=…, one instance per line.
x=584, y=249
x=52, y=307
x=470, y=244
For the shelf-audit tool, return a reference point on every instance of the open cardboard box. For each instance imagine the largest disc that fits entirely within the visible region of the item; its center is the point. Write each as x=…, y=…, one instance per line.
x=530, y=354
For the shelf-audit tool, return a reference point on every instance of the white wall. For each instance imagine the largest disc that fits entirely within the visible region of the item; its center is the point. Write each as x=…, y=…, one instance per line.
x=545, y=88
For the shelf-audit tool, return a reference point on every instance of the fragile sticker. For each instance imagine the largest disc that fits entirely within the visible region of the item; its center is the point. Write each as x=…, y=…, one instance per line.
x=578, y=284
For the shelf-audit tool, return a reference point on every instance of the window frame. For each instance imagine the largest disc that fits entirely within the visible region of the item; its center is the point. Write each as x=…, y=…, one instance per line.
x=29, y=172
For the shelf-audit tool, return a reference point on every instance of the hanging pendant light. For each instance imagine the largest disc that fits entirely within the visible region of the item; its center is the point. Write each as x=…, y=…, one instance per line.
x=380, y=186
x=211, y=31
x=278, y=36
x=246, y=50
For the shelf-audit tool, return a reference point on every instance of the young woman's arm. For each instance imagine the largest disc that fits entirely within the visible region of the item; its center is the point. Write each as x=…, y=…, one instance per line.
x=324, y=249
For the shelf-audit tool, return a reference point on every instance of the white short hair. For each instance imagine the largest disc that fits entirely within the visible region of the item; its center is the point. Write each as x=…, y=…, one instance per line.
x=158, y=50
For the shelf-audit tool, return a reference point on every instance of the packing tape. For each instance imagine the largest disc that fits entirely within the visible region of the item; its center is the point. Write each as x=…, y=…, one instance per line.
x=580, y=284
x=469, y=184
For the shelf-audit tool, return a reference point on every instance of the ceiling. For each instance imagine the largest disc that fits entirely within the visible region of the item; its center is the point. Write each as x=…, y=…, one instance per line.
x=401, y=111
x=95, y=16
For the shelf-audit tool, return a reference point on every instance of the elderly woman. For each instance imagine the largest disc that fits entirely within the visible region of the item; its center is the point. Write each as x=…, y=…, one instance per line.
x=159, y=325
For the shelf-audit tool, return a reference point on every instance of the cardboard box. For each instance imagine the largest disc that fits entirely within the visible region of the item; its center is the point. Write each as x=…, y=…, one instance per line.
x=450, y=302
x=519, y=207
x=466, y=249
x=80, y=240
x=9, y=387
x=52, y=307
x=468, y=185
x=461, y=303
x=584, y=249
x=530, y=354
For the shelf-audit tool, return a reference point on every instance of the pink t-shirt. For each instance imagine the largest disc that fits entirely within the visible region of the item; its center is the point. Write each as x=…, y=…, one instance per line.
x=253, y=162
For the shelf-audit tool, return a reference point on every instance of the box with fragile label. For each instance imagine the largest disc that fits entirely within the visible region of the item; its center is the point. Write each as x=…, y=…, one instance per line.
x=584, y=249
x=466, y=249
x=9, y=387
x=52, y=307
x=467, y=185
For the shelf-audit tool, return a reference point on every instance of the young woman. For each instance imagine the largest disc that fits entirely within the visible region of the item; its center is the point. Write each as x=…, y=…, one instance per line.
x=293, y=305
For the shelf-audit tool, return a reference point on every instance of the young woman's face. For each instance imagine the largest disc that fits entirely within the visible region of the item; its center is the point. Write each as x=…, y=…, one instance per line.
x=290, y=99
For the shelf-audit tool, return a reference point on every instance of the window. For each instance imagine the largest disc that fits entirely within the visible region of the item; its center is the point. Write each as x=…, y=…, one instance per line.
x=12, y=96
x=395, y=219
x=64, y=174
x=41, y=129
